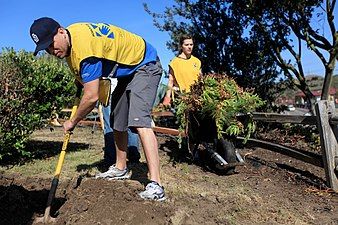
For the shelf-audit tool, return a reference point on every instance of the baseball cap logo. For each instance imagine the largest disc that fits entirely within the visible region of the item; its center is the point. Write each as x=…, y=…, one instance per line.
x=35, y=38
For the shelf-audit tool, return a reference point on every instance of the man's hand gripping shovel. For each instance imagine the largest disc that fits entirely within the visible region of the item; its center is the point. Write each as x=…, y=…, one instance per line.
x=47, y=217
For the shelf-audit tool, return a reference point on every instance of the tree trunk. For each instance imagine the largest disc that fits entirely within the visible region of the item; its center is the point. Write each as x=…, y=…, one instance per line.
x=327, y=83
x=329, y=69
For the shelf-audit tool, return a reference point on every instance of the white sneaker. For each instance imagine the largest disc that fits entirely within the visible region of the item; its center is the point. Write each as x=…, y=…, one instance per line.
x=153, y=191
x=113, y=173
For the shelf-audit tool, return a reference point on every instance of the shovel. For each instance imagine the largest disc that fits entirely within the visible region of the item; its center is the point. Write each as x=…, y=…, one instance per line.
x=47, y=217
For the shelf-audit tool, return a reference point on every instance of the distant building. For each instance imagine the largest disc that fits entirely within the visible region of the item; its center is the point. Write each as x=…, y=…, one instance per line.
x=285, y=100
x=299, y=98
x=301, y=101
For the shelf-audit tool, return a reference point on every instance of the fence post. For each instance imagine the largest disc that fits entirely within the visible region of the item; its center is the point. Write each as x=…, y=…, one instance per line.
x=325, y=110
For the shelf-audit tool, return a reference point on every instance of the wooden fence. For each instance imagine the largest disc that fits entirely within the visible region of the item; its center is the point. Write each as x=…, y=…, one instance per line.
x=326, y=121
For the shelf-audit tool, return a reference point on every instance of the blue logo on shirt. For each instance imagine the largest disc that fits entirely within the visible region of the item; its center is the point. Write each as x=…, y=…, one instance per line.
x=102, y=29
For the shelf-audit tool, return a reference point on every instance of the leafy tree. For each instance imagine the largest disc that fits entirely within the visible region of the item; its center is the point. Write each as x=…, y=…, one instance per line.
x=247, y=39
x=221, y=42
x=286, y=26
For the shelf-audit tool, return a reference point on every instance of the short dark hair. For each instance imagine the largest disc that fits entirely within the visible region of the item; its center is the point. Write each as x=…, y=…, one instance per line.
x=184, y=37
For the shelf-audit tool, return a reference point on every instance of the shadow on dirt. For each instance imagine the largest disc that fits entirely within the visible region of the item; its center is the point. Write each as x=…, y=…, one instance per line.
x=139, y=171
x=182, y=155
x=176, y=154
x=305, y=176
x=302, y=175
x=19, y=205
x=100, y=165
x=42, y=150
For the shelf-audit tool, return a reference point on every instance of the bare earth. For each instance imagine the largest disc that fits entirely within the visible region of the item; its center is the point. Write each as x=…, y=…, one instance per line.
x=269, y=189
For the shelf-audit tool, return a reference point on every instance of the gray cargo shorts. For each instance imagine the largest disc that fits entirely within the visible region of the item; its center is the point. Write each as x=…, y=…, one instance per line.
x=133, y=97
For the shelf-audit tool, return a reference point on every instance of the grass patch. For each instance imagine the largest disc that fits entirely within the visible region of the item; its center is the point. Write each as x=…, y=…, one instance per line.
x=84, y=152
x=74, y=163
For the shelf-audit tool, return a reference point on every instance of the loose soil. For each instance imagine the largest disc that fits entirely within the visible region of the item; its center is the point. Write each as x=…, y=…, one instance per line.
x=269, y=189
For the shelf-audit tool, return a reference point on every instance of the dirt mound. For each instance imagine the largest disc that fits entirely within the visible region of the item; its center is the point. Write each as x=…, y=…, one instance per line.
x=117, y=202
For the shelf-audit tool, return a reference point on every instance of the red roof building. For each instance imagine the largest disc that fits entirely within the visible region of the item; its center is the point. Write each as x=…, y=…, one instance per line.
x=300, y=96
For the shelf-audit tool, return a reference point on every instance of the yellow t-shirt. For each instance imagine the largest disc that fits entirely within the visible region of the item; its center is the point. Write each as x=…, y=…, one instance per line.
x=104, y=41
x=186, y=71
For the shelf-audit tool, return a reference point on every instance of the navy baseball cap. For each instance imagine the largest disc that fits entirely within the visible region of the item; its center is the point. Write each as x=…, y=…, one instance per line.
x=42, y=32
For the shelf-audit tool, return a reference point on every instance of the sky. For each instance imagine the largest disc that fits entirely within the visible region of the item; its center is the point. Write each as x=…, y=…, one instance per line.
x=17, y=16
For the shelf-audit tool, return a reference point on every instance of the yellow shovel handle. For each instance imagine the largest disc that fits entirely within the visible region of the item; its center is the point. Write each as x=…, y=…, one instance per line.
x=65, y=144
x=55, y=180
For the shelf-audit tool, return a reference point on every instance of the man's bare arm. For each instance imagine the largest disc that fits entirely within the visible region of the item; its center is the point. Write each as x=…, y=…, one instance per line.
x=87, y=104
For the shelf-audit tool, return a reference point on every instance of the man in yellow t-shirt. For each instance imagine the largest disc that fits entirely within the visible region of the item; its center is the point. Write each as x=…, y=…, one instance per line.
x=97, y=50
x=184, y=69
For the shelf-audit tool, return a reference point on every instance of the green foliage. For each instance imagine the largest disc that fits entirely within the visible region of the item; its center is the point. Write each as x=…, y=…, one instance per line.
x=31, y=89
x=222, y=42
x=219, y=97
x=288, y=25
x=255, y=41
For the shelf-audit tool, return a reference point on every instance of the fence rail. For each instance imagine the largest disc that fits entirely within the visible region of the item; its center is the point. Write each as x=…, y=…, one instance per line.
x=306, y=156
x=275, y=117
x=326, y=121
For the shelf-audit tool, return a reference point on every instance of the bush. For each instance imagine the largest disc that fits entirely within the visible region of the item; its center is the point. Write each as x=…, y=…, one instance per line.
x=31, y=89
x=213, y=104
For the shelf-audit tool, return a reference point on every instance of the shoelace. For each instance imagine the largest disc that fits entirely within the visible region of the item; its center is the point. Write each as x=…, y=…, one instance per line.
x=113, y=167
x=154, y=186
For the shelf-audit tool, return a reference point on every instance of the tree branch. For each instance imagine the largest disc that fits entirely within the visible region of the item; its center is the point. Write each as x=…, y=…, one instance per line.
x=317, y=40
x=299, y=60
x=282, y=62
x=330, y=17
x=193, y=17
x=326, y=44
x=313, y=48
